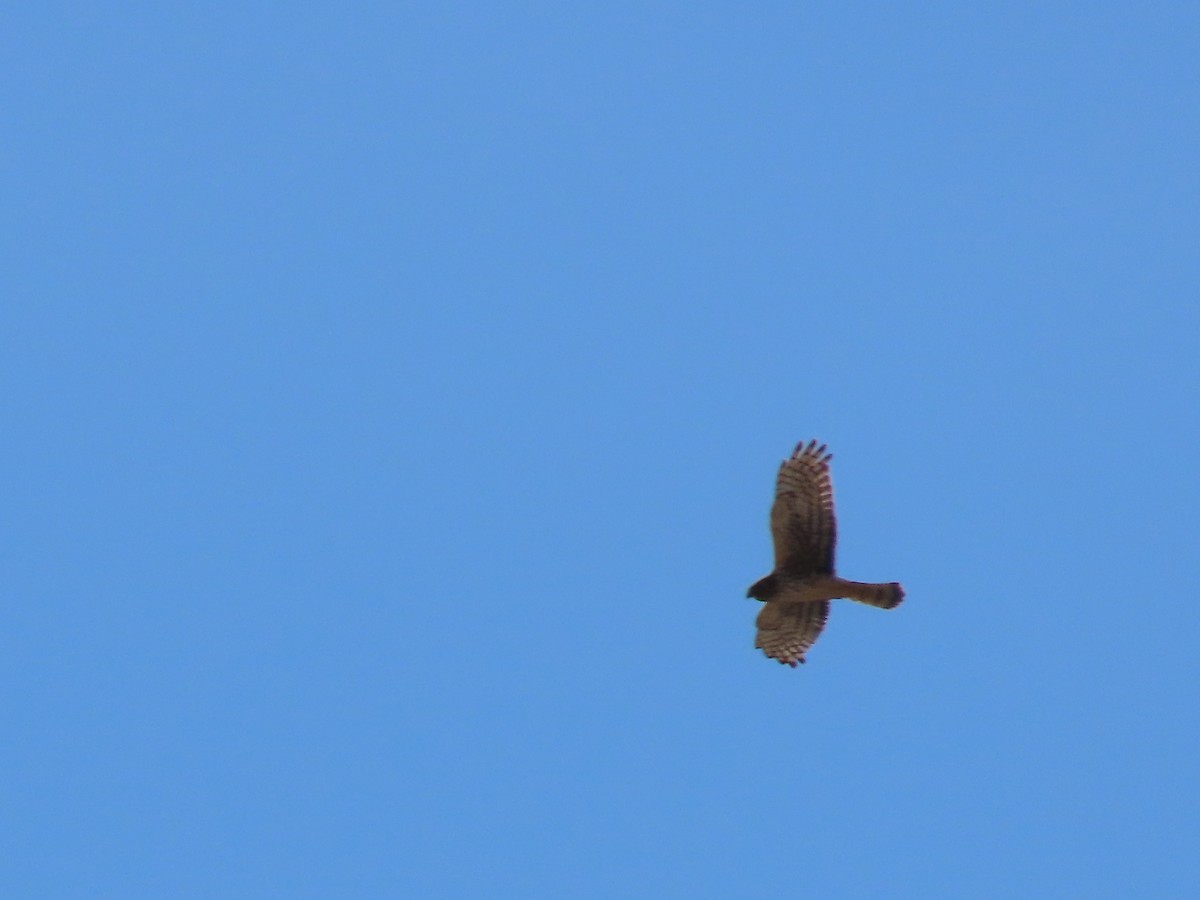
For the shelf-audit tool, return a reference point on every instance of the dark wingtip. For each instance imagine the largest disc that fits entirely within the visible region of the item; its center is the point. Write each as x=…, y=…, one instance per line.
x=812, y=448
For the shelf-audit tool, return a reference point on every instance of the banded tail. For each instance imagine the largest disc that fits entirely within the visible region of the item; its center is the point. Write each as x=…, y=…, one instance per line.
x=884, y=596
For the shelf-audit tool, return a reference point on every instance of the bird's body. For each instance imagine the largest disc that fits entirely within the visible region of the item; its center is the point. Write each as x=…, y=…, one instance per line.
x=796, y=594
x=781, y=586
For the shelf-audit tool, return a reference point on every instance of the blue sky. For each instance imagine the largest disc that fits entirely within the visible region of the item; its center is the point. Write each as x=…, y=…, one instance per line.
x=393, y=395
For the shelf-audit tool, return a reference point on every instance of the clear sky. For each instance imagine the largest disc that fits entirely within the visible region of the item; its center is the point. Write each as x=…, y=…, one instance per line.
x=392, y=399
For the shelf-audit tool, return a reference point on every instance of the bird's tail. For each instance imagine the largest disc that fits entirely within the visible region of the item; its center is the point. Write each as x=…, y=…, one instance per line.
x=884, y=596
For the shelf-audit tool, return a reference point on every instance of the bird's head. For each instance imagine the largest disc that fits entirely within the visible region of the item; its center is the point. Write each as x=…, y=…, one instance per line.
x=763, y=589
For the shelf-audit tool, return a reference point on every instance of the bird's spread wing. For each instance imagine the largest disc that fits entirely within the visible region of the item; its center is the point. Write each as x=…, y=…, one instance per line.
x=787, y=630
x=802, y=521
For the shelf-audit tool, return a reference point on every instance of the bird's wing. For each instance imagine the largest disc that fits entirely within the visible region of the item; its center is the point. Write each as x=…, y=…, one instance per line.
x=787, y=630
x=802, y=521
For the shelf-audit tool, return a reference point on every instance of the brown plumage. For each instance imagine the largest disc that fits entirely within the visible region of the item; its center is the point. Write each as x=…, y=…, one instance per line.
x=796, y=594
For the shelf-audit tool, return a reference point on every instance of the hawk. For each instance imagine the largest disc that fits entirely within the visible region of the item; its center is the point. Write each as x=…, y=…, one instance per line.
x=796, y=595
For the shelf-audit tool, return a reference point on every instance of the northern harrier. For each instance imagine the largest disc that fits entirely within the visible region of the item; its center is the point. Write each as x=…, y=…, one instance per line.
x=796, y=595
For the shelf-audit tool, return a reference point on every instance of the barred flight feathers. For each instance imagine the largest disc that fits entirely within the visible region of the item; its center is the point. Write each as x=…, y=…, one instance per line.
x=802, y=521
x=787, y=630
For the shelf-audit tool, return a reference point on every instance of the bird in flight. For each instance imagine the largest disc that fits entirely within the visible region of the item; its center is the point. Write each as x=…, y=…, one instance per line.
x=796, y=594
